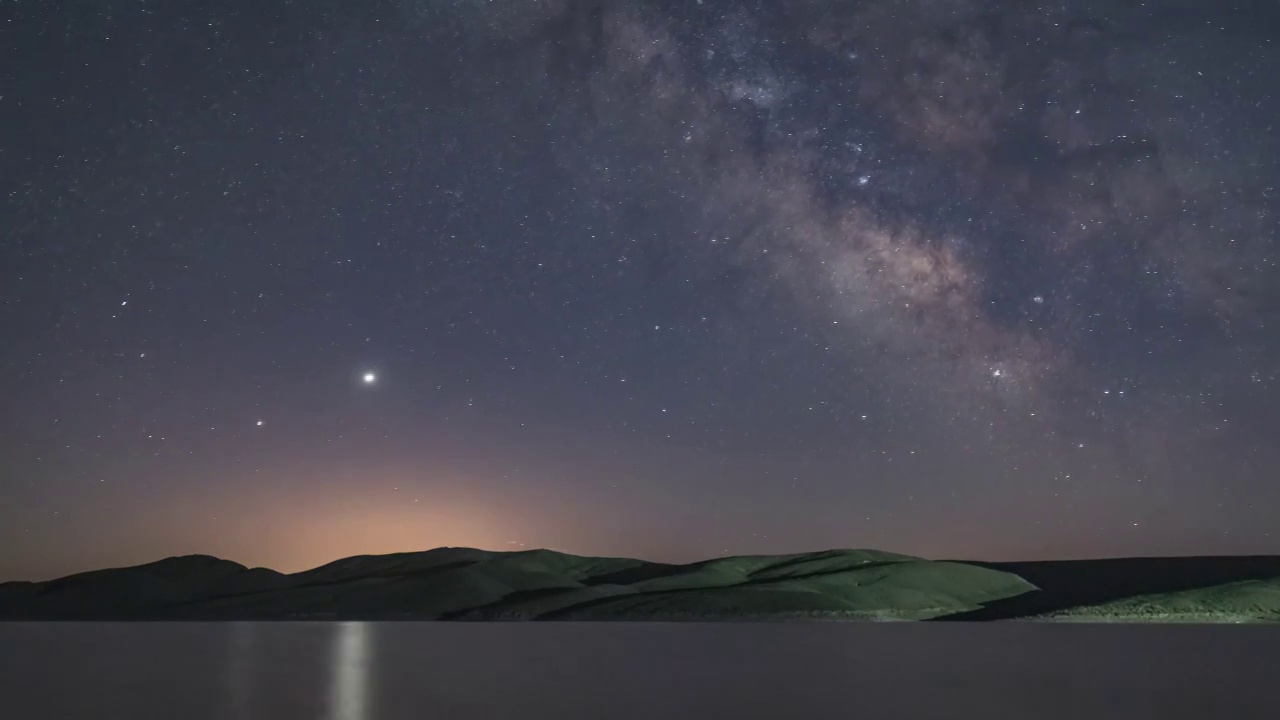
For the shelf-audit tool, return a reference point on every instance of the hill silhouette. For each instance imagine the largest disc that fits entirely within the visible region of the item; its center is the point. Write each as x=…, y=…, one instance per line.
x=470, y=584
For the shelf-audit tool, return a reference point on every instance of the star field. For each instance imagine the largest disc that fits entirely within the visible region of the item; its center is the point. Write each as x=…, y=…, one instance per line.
x=659, y=278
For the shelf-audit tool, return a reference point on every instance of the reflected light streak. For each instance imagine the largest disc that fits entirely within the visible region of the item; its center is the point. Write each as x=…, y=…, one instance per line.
x=349, y=672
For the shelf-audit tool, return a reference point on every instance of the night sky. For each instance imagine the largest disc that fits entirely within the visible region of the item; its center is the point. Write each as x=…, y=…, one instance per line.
x=285, y=282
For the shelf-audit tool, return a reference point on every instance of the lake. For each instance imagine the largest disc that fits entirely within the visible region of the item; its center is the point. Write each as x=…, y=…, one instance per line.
x=354, y=671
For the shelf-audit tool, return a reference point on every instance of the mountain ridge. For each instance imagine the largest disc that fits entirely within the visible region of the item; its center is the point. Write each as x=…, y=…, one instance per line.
x=469, y=584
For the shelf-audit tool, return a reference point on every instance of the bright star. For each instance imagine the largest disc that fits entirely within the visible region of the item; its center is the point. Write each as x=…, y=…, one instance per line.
x=369, y=378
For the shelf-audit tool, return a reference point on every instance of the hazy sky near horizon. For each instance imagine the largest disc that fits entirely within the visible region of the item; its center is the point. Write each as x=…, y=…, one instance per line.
x=286, y=282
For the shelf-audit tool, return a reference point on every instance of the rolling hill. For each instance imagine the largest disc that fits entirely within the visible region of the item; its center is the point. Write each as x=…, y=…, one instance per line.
x=466, y=584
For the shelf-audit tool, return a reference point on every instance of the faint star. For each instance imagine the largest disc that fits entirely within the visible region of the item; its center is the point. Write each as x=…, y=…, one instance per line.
x=259, y=423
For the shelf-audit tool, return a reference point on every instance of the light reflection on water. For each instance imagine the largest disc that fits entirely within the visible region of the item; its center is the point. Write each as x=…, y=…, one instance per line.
x=350, y=660
x=602, y=671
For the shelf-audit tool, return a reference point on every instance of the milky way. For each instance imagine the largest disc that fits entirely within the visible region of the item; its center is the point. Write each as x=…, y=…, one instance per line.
x=665, y=277
x=1027, y=195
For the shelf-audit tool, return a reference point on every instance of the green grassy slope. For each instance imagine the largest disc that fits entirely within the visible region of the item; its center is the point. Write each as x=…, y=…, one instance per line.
x=851, y=586
x=430, y=585
x=1154, y=588
x=468, y=584
x=1240, y=602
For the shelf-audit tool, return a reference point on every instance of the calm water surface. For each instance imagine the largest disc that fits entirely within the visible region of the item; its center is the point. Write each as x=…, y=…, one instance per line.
x=358, y=671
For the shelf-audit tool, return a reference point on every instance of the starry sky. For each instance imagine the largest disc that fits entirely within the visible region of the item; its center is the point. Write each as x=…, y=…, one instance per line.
x=285, y=282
